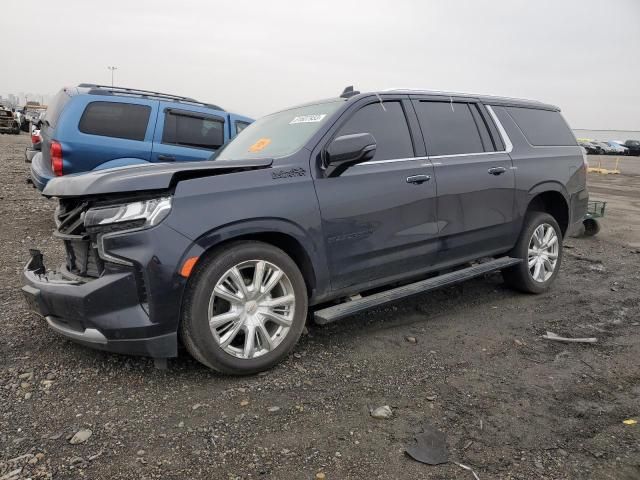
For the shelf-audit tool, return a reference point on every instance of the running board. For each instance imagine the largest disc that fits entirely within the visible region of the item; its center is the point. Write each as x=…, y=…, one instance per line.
x=342, y=310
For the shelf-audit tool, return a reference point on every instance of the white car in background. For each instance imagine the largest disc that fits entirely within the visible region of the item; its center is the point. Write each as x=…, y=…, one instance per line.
x=618, y=148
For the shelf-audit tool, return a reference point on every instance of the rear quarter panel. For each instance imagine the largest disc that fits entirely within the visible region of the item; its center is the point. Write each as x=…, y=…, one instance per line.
x=543, y=168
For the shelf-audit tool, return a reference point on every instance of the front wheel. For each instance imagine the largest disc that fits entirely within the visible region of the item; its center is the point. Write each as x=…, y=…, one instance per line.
x=245, y=308
x=540, y=249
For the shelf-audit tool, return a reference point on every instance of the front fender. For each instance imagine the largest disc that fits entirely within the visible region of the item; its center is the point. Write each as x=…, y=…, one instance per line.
x=120, y=162
x=257, y=226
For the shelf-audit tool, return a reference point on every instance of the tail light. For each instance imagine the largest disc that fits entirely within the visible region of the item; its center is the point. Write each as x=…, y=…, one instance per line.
x=55, y=152
x=35, y=137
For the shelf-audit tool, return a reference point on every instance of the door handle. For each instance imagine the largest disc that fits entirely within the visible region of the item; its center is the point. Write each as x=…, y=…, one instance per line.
x=496, y=170
x=166, y=158
x=418, y=179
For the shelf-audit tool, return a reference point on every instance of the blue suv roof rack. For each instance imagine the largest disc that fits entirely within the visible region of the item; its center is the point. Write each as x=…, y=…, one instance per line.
x=96, y=89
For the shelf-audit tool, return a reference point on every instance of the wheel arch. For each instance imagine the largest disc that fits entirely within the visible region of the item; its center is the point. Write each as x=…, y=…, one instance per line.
x=279, y=233
x=552, y=199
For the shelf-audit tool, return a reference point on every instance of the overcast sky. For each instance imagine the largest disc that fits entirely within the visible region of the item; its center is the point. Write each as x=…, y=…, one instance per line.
x=261, y=56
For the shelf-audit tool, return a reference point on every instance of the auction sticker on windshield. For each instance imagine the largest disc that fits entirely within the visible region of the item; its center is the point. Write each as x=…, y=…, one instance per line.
x=308, y=118
x=261, y=144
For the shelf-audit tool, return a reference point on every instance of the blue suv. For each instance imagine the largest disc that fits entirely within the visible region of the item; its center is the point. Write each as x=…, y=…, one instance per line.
x=94, y=127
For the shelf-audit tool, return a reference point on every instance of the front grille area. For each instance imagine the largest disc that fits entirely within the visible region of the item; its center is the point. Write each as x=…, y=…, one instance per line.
x=83, y=259
x=81, y=243
x=82, y=252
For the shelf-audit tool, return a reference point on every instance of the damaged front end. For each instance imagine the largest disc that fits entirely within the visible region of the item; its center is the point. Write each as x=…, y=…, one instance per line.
x=117, y=289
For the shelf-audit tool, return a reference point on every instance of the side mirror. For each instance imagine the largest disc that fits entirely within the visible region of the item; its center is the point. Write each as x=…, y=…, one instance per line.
x=348, y=150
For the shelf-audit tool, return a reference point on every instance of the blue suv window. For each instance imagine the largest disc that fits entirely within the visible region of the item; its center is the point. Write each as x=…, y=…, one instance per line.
x=193, y=131
x=118, y=120
x=241, y=126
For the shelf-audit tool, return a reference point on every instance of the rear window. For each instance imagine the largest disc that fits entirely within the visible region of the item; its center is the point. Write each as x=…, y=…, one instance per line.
x=118, y=120
x=451, y=129
x=542, y=127
x=193, y=131
x=55, y=108
x=5, y=113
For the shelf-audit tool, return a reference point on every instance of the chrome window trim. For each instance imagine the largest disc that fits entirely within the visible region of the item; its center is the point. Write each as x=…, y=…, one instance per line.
x=392, y=160
x=508, y=146
x=505, y=138
x=454, y=155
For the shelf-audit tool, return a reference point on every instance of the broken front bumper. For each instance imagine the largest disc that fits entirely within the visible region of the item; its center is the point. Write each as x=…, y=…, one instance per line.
x=103, y=313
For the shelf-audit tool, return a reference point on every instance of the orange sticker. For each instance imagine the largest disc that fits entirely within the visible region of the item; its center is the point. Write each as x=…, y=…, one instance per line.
x=260, y=145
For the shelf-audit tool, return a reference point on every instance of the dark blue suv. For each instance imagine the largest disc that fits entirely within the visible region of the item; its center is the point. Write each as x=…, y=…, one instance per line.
x=93, y=127
x=343, y=205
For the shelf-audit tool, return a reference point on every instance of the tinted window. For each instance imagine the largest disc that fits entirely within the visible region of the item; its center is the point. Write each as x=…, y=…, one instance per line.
x=487, y=141
x=241, y=126
x=55, y=108
x=388, y=125
x=5, y=113
x=192, y=131
x=119, y=120
x=449, y=128
x=542, y=127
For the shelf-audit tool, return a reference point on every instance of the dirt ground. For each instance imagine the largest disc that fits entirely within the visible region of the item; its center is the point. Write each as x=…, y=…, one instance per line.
x=511, y=404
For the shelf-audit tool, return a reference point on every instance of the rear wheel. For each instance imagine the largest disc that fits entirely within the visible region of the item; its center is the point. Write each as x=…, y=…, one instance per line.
x=540, y=248
x=245, y=308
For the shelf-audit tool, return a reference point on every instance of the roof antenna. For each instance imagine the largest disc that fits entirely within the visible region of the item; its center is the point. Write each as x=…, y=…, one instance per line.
x=349, y=92
x=381, y=102
x=451, y=103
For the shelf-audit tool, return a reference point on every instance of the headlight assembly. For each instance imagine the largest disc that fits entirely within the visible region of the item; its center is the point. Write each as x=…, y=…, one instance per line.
x=142, y=214
x=122, y=219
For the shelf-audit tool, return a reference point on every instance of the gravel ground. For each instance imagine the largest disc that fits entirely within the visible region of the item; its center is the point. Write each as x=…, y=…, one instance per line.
x=468, y=360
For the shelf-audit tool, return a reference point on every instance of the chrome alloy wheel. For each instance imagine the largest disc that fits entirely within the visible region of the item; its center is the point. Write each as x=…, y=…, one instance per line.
x=251, y=309
x=543, y=252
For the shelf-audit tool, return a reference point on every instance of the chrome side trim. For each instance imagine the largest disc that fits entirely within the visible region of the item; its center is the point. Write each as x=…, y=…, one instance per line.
x=465, y=154
x=505, y=138
x=90, y=335
x=392, y=160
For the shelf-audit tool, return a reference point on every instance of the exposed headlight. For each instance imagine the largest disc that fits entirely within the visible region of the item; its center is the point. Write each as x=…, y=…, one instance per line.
x=146, y=212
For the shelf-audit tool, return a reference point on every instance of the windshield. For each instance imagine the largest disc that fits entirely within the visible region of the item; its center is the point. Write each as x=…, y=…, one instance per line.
x=278, y=134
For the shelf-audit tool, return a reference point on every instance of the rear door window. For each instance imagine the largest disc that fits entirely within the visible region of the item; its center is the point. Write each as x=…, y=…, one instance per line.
x=387, y=123
x=193, y=131
x=117, y=120
x=451, y=129
x=542, y=127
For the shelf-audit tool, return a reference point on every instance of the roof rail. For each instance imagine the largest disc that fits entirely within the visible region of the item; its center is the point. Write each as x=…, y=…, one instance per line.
x=461, y=94
x=98, y=89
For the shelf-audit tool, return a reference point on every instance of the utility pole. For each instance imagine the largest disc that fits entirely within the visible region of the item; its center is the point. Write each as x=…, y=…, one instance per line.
x=112, y=69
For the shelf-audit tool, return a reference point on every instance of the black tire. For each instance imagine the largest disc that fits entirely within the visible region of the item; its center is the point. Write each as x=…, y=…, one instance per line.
x=519, y=276
x=194, y=328
x=591, y=227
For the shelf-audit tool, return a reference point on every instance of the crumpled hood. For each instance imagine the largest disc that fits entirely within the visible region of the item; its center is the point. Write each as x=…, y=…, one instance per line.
x=151, y=176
